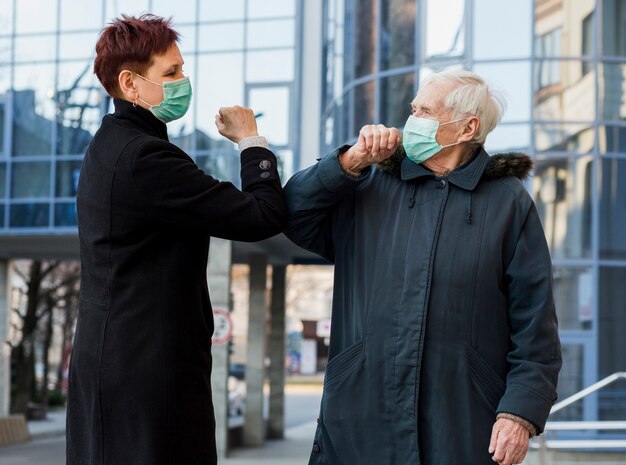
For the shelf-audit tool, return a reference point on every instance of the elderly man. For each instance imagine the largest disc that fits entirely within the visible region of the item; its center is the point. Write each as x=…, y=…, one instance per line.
x=444, y=347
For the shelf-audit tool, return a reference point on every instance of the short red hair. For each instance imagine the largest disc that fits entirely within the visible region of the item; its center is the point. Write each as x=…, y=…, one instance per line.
x=130, y=43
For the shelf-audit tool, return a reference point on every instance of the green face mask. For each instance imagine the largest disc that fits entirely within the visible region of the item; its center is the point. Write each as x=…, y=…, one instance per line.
x=176, y=99
x=419, y=138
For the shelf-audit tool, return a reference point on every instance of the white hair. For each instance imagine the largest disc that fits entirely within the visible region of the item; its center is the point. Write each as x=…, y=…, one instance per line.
x=472, y=97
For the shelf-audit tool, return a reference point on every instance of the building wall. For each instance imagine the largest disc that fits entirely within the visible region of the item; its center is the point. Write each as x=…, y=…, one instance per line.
x=561, y=66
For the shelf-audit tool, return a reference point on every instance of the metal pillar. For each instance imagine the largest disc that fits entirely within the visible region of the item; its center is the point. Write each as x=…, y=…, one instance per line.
x=5, y=352
x=276, y=425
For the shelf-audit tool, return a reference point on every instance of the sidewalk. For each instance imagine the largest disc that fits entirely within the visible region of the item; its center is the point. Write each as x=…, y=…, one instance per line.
x=52, y=426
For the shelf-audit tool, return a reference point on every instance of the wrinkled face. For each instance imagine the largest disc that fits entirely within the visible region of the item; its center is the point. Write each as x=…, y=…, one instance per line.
x=429, y=103
x=166, y=67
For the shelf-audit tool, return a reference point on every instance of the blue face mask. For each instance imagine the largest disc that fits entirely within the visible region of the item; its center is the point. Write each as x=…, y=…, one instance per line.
x=419, y=138
x=176, y=99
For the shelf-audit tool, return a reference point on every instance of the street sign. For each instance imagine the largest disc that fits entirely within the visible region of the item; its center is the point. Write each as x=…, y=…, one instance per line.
x=223, y=327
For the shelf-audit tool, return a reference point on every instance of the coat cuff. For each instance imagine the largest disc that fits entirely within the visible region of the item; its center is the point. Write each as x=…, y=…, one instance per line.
x=333, y=177
x=532, y=431
x=258, y=164
x=527, y=405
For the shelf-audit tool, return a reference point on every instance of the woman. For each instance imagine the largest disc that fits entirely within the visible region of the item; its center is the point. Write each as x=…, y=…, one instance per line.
x=140, y=373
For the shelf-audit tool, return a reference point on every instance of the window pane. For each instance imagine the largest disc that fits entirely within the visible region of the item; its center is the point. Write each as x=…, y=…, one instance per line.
x=612, y=139
x=32, y=215
x=548, y=42
x=564, y=137
x=86, y=14
x=611, y=88
x=509, y=138
x=2, y=210
x=396, y=95
x=562, y=92
x=265, y=9
x=30, y=180
x=215, y=10
x=78, y=45
x=445, y=38
x=398, y=33
x=571, y=381
x=274, y=104
x=612, y=293
x=221, y=164
x=493, y=21
x=67, y=176
x=613, y=31
x=114, y=8
x=35, y=16
x=263, y=34
x=271, y=66
x=561, y=188
x=181, y=12
x=516, y=90
x=35, y=48
x=65, y=214
x=187, y=42
x=6, y=16
x=573, y=297
x=214, y=37
x=285, y=163
x=3, y=180
x=6, y=45
x=365, y=37
x=613, y=208
x=364, y=106
x=2, y=133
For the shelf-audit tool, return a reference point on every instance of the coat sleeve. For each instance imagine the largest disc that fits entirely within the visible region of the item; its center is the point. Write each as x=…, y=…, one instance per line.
x=178, y=192
x=535, y=355
x=313, y=196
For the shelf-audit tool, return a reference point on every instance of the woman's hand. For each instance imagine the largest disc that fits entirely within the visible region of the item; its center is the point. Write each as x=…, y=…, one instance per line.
x=236, y=123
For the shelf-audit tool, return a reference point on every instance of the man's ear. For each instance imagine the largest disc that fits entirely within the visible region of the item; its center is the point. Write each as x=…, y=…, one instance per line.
x=470, y=129
x=127, y=85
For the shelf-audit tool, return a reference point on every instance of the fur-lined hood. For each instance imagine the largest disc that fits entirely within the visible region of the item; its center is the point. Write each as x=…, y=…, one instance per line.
x=499, y=165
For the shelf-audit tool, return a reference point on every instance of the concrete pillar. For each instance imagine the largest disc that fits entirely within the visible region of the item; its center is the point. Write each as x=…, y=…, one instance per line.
x=5, y=352
x=254, y=428
x=276, y=425
x=218, y=276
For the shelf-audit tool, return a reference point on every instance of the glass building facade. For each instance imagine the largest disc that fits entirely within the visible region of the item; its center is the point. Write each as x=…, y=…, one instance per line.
x=236, y=52
x=561, y=65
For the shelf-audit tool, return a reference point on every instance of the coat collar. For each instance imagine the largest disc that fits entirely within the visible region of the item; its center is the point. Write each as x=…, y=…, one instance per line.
x=465, y=176
x=140, y=117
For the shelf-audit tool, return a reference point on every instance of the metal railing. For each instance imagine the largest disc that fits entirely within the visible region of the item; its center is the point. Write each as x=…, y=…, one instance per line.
x=543, y=443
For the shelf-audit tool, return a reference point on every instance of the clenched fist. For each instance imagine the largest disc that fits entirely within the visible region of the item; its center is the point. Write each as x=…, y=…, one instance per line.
x=375, y=144
x=236, y=123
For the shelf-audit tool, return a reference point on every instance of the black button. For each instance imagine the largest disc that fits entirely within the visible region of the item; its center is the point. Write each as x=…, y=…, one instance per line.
x=441, y=184
x=316, y=448
x=265, y=175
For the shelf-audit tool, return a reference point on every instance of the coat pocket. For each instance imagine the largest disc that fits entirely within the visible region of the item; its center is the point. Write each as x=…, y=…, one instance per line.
x=343, y=363
x=491, y=386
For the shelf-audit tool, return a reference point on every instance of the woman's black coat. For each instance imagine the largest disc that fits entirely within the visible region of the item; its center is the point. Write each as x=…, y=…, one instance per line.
x=140, y=373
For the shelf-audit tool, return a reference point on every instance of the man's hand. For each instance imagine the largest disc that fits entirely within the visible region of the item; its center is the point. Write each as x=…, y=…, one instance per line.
x=236, y=123
x=375, y=144
x=509, y=442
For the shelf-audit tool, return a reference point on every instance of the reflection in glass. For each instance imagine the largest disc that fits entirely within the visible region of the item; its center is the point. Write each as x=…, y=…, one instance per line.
x=447, y=39
x=270, y=66
x=612, y=294
x=274, y=104
x=215, y=37
x=612, y=92
x=30, y=180
x=613, y=31
x=396, y=95
x=548, y=44
x=67, y=174
x=493, y=22
x=613, y=208
x=35, y=48
x=564, y=137
x=612, y=139
x=334, y=59
x=30, y=215
x=573, y=297
x=513, y=80
x=279, y=33
x=509, y=138
x=397, y=33
x=364, y=106
x=587, y=41
x=571, y=381
x=562, y=191
x=65, y=214
x=86, y=14
x=365, y=37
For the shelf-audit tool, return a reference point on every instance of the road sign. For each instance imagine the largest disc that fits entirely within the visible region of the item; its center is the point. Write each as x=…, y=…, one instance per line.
x=223, y=326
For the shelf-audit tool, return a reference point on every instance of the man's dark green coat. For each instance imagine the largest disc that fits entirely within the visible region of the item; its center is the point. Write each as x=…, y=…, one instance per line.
x=443, y=313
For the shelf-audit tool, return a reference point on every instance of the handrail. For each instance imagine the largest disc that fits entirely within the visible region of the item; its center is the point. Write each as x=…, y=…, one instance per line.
x=588, y=390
